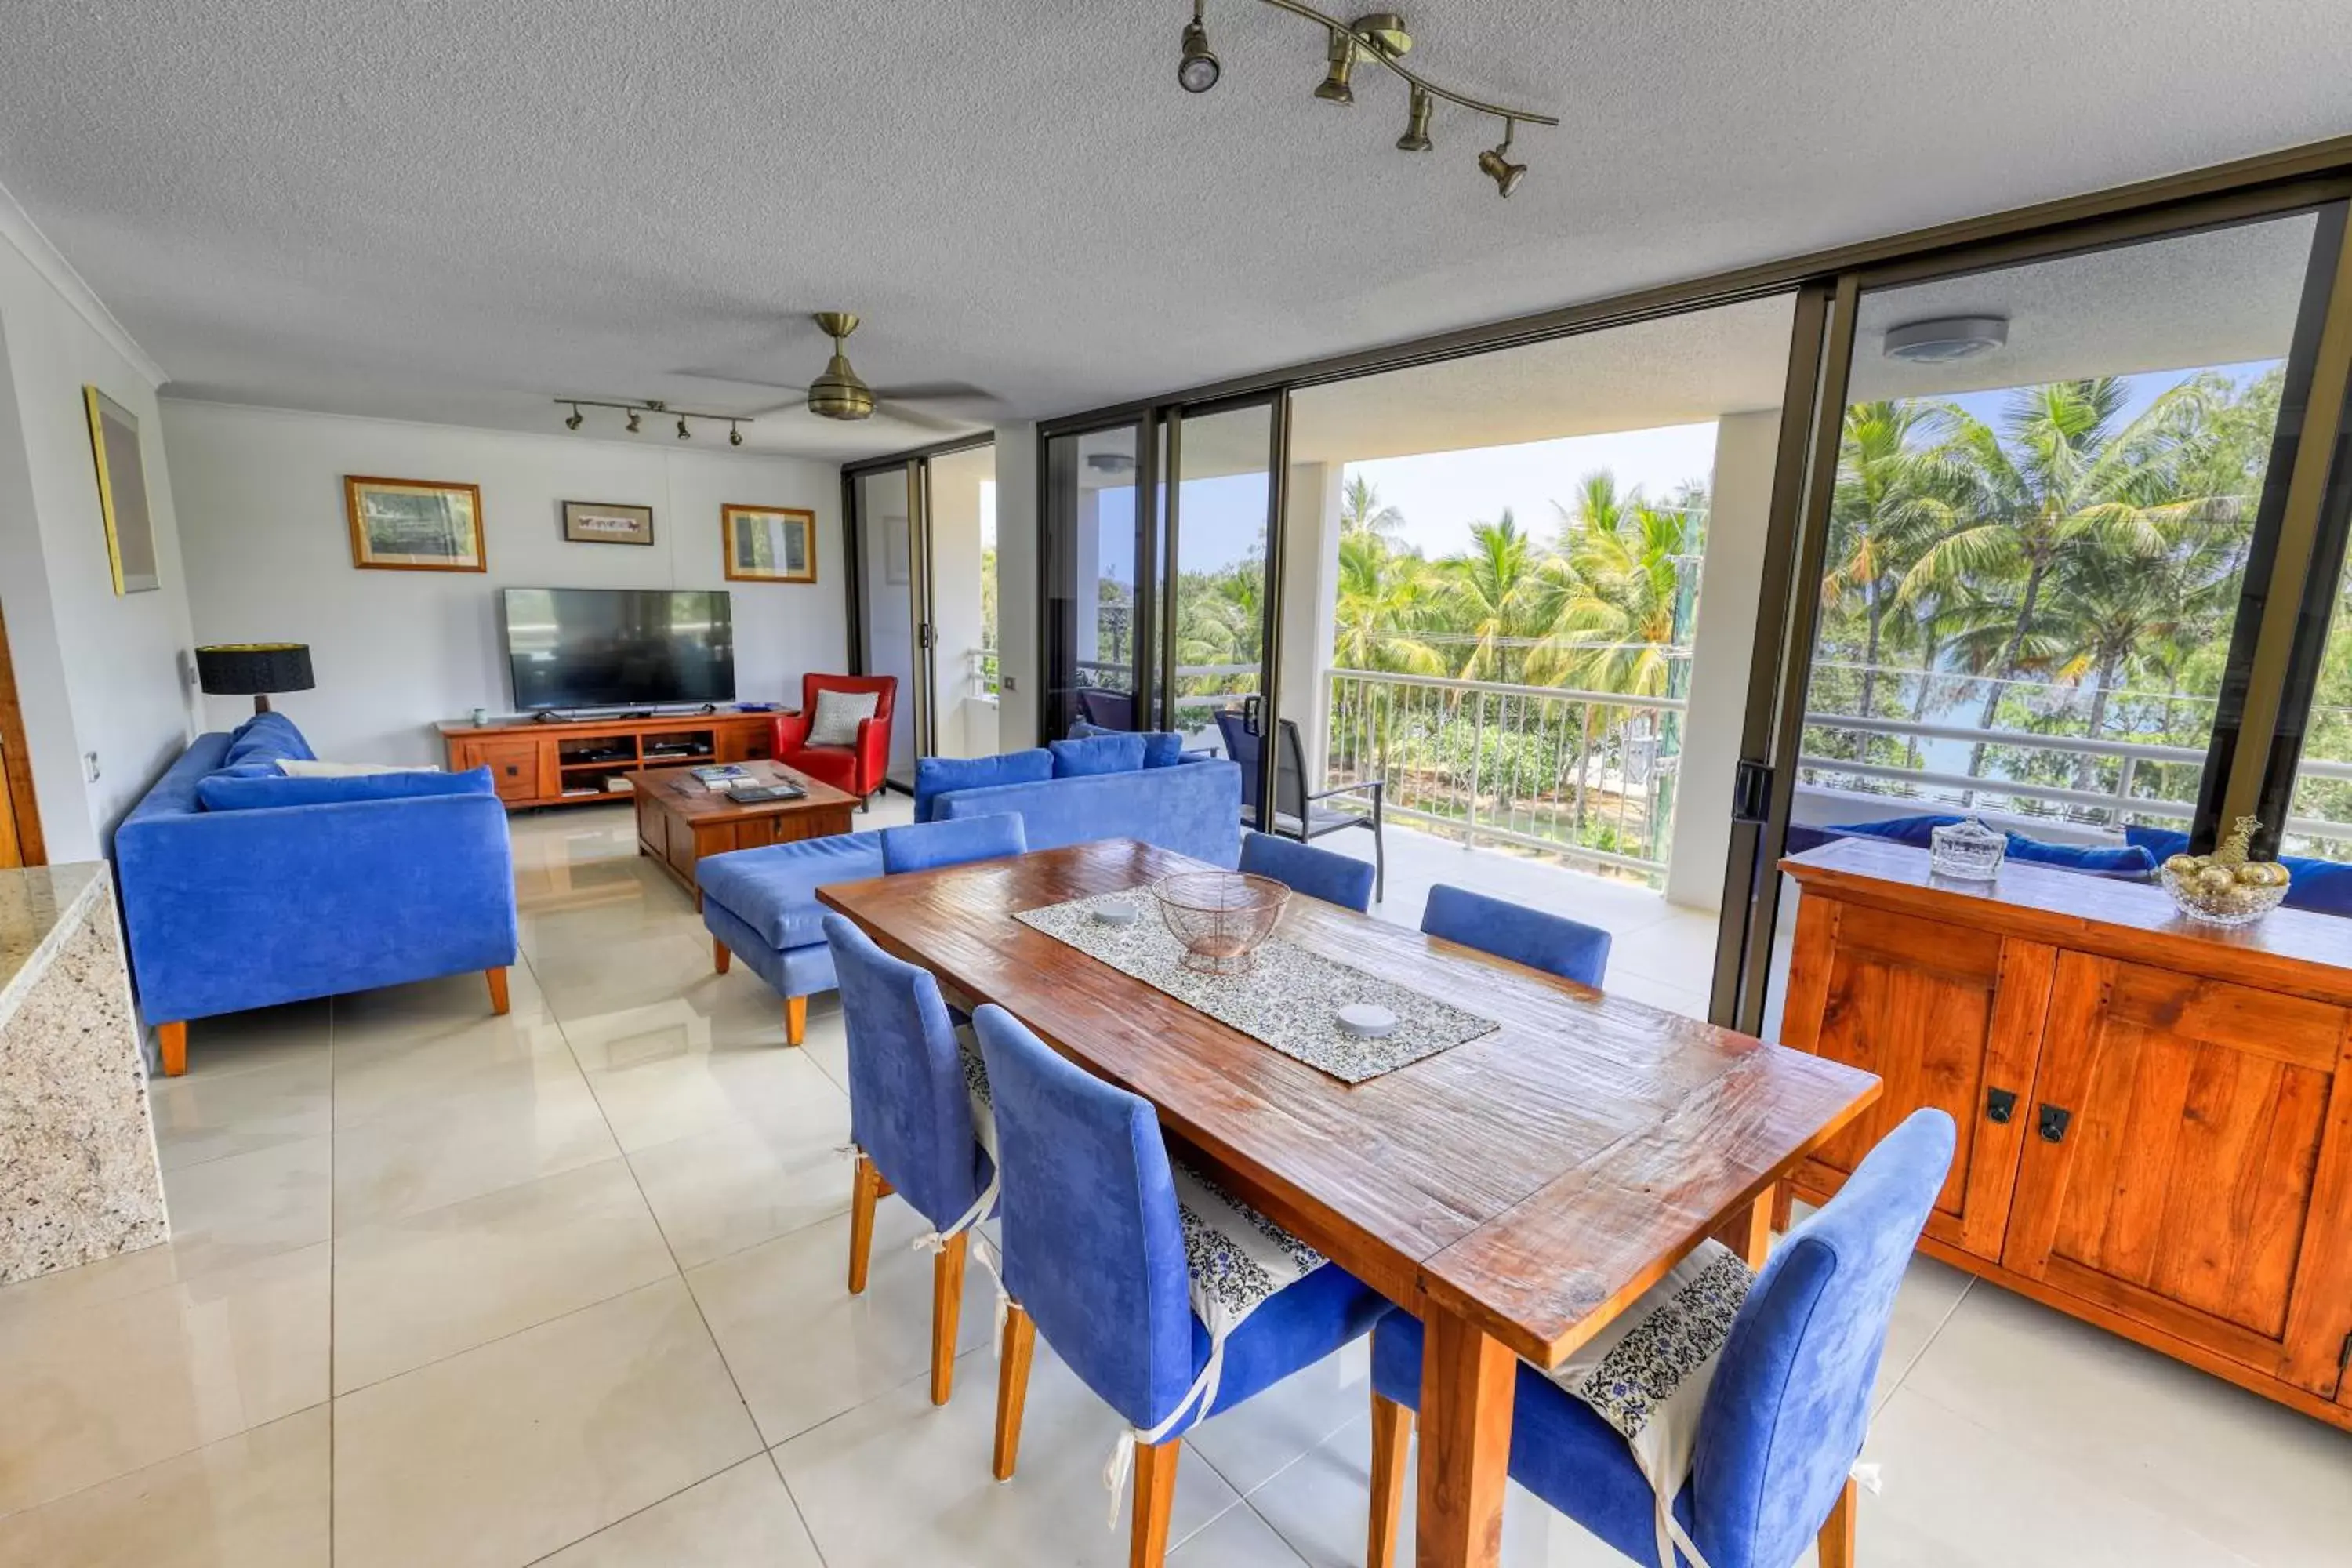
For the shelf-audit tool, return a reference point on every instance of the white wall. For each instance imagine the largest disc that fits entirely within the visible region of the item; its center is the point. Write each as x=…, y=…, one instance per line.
x=1310, y=600
x=1018, y=630
x=261, y=494
x=95, y=672
x=1723, y=644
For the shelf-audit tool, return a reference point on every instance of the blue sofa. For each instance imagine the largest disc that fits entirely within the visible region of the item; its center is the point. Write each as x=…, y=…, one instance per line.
x=244, y=889
x=760, y=905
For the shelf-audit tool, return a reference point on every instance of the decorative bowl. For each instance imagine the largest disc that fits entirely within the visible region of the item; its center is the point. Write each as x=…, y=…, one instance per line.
x=1219, y=917
x=2229, y=887
x=2217, y=895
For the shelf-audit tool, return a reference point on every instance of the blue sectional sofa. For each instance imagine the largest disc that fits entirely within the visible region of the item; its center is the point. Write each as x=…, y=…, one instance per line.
x=242, y=887
x=760, y=905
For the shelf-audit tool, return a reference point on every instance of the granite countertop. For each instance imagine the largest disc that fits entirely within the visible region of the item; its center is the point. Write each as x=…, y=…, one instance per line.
x=39, y=908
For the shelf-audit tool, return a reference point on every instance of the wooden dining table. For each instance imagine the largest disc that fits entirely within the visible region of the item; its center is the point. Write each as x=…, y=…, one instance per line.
x=1514, y=1192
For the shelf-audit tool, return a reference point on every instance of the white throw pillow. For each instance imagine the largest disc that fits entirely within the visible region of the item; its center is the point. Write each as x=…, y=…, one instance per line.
x=294, y=768
x=838, y=714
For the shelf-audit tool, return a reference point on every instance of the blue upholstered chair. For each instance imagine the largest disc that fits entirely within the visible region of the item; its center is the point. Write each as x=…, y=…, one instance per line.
x=1553, y=944
x=926, y=846
x=1784, y=1418
x=1303, y=868
x=1095, y=1255
x=912, y=1119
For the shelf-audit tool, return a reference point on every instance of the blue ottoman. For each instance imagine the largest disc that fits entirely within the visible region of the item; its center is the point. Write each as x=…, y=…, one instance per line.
x=760, y=906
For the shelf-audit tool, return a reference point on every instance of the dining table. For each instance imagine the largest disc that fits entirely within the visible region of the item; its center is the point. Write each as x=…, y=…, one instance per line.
x=1515, y=1191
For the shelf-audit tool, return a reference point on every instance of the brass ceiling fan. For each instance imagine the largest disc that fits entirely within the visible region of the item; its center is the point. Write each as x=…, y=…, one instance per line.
x=840, y=393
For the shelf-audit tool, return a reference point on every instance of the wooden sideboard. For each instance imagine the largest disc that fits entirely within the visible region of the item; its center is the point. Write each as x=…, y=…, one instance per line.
x=569, y=762
x=2155, y=1116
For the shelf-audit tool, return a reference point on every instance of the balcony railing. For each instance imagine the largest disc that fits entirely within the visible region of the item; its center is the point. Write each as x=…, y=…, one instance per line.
x=1588, y=777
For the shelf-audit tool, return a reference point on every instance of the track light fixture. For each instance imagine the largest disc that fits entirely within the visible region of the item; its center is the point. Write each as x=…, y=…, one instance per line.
x=1416, y=125
x=638, y=410
x=1197, y=70
x=1383, y=37
x=1335, y=88
x=1495, y=163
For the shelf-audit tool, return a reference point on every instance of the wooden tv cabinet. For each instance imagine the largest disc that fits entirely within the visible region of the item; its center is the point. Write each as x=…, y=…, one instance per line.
x=574, y=762
x=2155, y=1115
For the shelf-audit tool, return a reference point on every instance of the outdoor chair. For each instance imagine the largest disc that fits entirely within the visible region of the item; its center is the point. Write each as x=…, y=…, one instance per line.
x=1298, y=814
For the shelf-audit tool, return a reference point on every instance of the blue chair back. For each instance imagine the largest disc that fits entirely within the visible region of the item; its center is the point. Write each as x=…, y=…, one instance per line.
x=908, y=1106
x=925, y=845
x=1790, y=1401
x=1553, y=944
x=1303, y=868
x=1093, y=1247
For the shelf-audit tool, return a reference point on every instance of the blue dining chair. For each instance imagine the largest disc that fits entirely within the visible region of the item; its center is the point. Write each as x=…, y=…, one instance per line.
x=913, y=1121
x=1095, y=1254
x=927, y=845
x=1303, y=868
x=1781, y=1425
x=1553, y=944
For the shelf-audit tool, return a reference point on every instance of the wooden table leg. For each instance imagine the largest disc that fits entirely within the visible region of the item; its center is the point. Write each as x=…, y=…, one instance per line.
x=1467, y=1384
x=1749, y=1231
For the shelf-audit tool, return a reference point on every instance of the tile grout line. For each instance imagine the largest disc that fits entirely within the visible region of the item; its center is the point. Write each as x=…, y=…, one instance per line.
x=1968, y=1283
x=332, y=1008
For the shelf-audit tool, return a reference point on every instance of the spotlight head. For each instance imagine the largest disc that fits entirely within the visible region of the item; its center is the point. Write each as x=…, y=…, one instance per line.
x=576, y=420
x=1506, y=174
x=1335, y=88
x=734, y=436
x=1416, y=127
x=683, y=433
x=633, y=421
x=1197, y=70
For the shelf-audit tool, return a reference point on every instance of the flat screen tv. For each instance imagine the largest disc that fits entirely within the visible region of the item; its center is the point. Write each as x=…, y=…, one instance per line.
x=619, y=648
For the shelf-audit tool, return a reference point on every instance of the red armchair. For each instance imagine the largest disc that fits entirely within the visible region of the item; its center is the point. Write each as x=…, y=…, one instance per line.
x=858, y=769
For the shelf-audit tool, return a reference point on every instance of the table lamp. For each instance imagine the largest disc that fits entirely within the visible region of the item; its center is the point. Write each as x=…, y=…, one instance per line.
x=254, y=670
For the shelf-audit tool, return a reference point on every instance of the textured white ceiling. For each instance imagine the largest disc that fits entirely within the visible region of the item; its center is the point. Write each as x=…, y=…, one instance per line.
x=453, y=211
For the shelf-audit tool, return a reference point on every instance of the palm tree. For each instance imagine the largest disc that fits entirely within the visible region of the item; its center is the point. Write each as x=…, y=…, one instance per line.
x=1385, y=598
x=1493, y=593
x=2058, y=481
x=1361, y=511
x=1893, y=498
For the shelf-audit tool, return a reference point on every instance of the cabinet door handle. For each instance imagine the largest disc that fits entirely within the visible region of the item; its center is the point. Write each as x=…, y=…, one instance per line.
x=2053, y=1123
x=2001, y=1105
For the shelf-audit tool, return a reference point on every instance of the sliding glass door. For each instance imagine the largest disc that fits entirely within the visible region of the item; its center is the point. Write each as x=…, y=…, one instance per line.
x=1098, y=554
x=1216, y=660
x=2027, y=581
x=922, y=533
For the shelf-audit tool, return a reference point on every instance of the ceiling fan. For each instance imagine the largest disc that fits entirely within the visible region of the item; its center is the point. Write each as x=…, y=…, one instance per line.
x=840, y=393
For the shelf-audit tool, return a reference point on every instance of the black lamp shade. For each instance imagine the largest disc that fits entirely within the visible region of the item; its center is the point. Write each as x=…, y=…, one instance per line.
x=254, y=669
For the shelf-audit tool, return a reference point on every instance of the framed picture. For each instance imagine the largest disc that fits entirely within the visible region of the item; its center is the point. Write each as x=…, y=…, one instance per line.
x=769, y=544
x=122, y=494
x=594, y=523
x=414, y=525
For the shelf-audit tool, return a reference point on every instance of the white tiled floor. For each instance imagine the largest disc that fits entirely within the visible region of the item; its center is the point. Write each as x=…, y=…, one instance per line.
x=566, y=1287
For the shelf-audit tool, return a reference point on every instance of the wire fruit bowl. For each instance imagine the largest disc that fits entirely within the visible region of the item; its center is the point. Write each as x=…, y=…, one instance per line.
x=1219, y=917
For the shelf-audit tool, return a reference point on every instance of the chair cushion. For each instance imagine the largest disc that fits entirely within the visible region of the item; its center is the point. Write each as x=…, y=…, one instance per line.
x=1560, y=1451
x=838, y=714
x=231, y=791
x=2125, y=862
x=266, y=738
x=773, y=890
x=1119, y=753
x=936, y=776
x=1162, y=748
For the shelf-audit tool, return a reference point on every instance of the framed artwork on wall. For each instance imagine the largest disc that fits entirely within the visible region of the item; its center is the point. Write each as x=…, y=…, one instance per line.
x=769, y=544
x=122, y=494
x=414, y=525
x=598, y=522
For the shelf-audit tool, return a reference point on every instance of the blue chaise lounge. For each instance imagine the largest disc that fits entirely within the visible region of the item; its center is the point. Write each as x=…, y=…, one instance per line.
x=760, y=905
x=242, y=887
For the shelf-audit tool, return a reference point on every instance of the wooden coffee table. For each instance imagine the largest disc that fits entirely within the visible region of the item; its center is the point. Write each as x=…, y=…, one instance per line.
x=680, y=819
